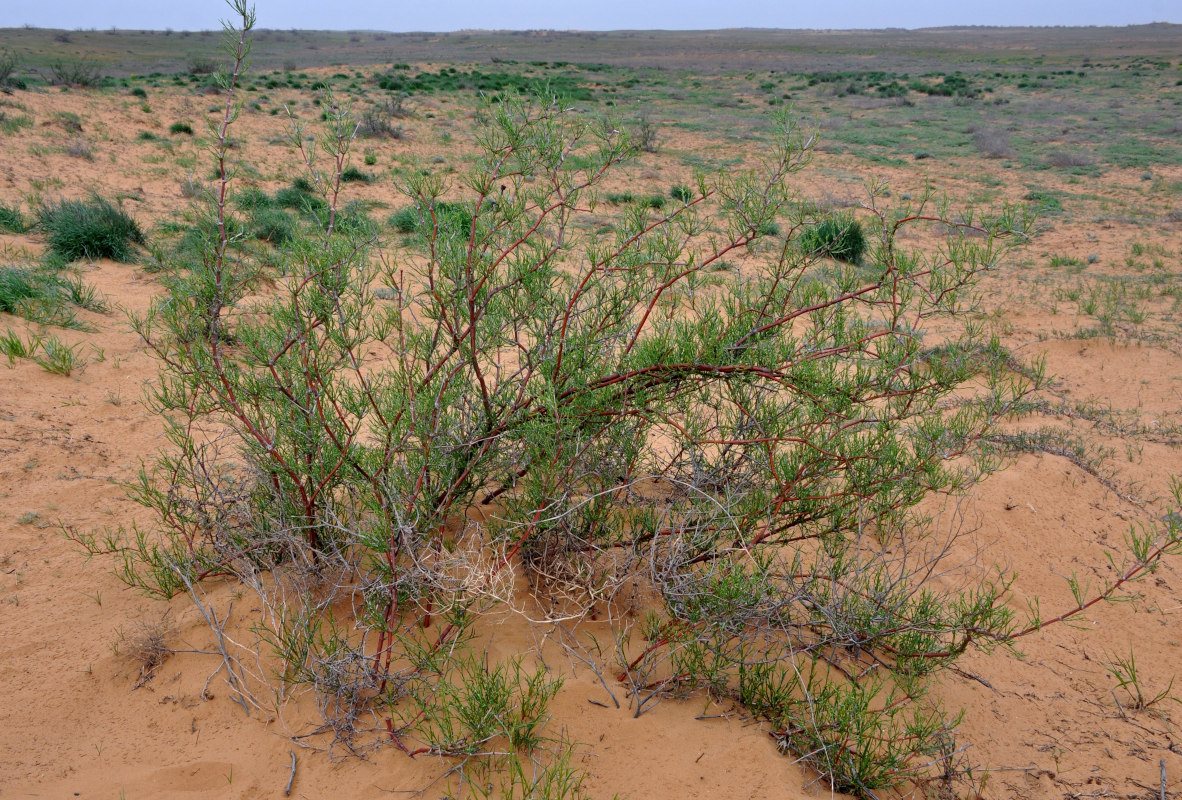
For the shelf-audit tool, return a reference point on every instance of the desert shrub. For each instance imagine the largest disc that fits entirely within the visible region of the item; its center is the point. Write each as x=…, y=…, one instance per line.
x=79, y=73
x=1070, y=158
x=89, y=229
x=8, y=65
x=12, y=220
x=681, y=193
x=648, y=135
x=378, y=120
x=993, y=143
x=181, y=127
x=139, y=92
x=755, y=461
x=202, y=66
x=838, y=236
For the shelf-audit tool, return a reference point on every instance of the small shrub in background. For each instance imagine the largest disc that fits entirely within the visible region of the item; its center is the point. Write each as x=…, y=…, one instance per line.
x=89, y=229
x=202, y=66
x=377, y=121
x=993, y=143
x=139, y=92
x=181, y=127
x=1070, y=158
x=79, y=74
x=839, y=236
x=8, y=65
x=647, y=135
x=681, y=193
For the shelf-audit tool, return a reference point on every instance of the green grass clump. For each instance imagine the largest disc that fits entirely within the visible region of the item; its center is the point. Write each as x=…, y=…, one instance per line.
x=181, y=127
x=45, y=297
x=681, y=193
x=11, y=220
x=90, y=229
x=404, y=220
x=9, y=125
x=839, y=236
x=252, y=198
x=452, y=219
x=17, y=286
x=620, y=198
x=272, y=225
x=301, y=196
x=352, y=174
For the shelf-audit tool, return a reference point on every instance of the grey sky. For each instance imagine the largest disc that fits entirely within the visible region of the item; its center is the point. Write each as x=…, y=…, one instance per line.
x=448, y=15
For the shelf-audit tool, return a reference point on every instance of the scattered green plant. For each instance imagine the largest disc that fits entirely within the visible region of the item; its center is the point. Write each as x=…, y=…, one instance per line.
x=1129, y=680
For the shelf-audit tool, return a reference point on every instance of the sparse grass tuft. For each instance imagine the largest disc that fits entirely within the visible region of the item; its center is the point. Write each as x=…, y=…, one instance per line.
x=59, y=358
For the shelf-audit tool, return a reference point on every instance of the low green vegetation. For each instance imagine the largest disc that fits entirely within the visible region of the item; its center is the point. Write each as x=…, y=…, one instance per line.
x=93, y=228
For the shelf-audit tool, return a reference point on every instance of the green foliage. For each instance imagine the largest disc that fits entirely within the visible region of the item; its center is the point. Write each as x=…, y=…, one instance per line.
x=301, y=196
x=14, y=347
x=12, y=124
x=838, y=236
x=681, y=193
x=449, y=79
x=46, y=297
x=59, y=358
x=1130, y=680
x=754, y=453
x=181, y=127
x=79, y=73
x=89, y=229
x=12, y=220
x=352, y=174
x=272, y=225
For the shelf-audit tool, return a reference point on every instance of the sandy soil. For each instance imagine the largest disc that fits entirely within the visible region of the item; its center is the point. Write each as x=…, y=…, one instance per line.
x=77, y=718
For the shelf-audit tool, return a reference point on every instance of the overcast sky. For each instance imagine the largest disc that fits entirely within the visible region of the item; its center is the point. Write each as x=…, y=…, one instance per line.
x=450, y=15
